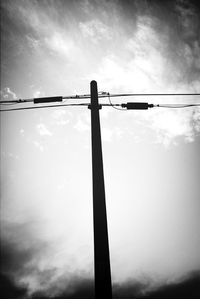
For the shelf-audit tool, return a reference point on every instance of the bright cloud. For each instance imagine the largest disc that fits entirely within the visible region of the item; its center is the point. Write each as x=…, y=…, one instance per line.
x=60, y=44
x=96, y=30
x=83, y=123
x=61, y=117
x=42, y=130
x=38, y=93
x=38, y=145
x=8, y=94
x=172, y=124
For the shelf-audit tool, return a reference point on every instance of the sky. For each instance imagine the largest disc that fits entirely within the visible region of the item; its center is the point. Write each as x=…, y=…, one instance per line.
x=151, y=158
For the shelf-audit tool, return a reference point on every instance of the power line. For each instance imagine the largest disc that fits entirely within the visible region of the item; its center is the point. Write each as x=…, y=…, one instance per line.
x=100, y=95
x=46, y=106
x=106, y=94
x=176, y=105
x=129, y=105
x=53, y=106
x=113, y=106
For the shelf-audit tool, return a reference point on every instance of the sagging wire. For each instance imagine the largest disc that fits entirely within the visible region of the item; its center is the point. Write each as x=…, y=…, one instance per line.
x=112, y=105
x=176, y=105
x=107, y=105
x=129, y=105
x=8, y=104
x=40, y=107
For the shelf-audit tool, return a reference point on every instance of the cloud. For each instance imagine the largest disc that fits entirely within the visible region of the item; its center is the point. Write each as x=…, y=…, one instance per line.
x=188, y=18
x=33, y=43
x=38, y=93
x=95, y=30
x=172, y=124
x=8, y=94
x=60, y=44
x=116, y=75
x=42, y=130
x=79, y=289
x=38, y=145
x=29, y=261
x=43, y=33
x=61, y=117
x=159, y=57
x=188, y=288
x=10, y=290
x=82, y=126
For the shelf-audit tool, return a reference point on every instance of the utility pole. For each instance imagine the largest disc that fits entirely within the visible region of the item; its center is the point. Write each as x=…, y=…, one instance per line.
x=102, y=272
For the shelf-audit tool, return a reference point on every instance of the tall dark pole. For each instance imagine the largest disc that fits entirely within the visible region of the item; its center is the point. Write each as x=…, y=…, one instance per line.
x=103, y=287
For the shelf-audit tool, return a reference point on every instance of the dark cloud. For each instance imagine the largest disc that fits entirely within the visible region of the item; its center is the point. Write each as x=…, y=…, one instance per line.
x=19, y=251
x=84, y=289
x=9, y=290
x=176, y=24
x=15, y=263
x=19, y=260
x=79, y=289
x=188, y=288
x=13, y=258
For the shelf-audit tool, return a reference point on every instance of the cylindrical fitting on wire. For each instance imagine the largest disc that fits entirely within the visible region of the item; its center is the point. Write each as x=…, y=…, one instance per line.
x=137, y=105
x=47, y=100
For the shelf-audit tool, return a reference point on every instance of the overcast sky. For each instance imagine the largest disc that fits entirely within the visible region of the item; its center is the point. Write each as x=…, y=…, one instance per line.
x=151, y=158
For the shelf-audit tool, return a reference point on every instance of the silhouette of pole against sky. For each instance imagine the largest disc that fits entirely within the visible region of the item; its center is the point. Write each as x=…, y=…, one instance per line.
x=102, y=272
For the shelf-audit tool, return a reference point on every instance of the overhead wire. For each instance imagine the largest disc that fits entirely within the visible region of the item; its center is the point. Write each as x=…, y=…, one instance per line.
x=8, y=104
x=112, y=105
x=100, y=95
x=104, y=95
x=40, y=107
x=108, y=105
x=53, y=106
x=176, y=105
